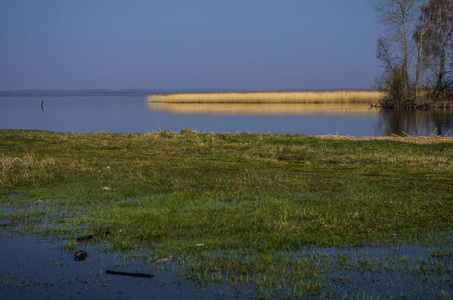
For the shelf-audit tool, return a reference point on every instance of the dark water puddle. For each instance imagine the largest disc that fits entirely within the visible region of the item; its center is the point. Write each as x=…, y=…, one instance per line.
x=35, y=268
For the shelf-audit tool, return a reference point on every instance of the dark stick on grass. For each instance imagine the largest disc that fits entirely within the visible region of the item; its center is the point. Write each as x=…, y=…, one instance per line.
x=142, y=275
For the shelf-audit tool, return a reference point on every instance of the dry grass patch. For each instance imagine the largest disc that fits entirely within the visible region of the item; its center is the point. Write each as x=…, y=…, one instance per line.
x=27, y=168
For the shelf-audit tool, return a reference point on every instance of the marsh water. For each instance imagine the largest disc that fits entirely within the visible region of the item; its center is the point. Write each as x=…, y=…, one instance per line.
x=38, y=268
x=135, y=114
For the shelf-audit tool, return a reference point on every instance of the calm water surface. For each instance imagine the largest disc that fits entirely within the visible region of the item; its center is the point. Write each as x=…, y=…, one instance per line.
x=134, y=114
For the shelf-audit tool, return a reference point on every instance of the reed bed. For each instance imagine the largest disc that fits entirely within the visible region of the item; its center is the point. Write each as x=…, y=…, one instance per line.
x=264, y=108
x=336, y=96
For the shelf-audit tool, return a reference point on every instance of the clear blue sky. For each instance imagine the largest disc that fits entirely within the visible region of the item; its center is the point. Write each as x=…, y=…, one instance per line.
x=181, y=44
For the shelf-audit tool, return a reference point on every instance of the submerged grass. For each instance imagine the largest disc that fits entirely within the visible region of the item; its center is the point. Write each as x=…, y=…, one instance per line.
x=276, y=97
x=226, y=204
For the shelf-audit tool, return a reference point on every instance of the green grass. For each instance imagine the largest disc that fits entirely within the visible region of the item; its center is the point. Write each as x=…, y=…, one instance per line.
x=243, y=196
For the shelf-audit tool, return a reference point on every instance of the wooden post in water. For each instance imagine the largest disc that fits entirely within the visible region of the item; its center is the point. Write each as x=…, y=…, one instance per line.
x=42, y=105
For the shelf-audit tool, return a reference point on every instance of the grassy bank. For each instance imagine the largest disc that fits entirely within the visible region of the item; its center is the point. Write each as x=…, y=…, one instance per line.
x=336, y=96
x=229, y=207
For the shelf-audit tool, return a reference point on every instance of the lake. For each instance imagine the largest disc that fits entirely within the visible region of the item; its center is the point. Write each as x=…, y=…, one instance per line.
x=134, y=114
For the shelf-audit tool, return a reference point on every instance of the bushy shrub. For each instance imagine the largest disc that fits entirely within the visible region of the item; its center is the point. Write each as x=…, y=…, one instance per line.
x=395, y=88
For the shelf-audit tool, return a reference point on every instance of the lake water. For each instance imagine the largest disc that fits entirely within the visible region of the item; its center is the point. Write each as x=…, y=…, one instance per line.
x=134, y=114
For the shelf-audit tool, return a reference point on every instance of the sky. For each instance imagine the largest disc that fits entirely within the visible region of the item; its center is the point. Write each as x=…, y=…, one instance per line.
x=180, y=44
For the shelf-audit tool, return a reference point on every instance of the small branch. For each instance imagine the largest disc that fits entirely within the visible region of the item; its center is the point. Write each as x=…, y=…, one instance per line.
x=142, y=275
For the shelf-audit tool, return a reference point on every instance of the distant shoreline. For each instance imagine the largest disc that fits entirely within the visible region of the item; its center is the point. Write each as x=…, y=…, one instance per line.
x=147, y=92
x=95, y=93
x=49, y=94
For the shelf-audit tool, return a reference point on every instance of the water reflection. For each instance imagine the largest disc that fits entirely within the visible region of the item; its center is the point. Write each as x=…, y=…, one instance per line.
x=415, y=123
x=254, y=109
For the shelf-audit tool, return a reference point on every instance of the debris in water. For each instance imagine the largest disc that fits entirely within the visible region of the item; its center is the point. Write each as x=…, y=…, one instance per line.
x=80, y=255
x=164, y=260
x=143, y=275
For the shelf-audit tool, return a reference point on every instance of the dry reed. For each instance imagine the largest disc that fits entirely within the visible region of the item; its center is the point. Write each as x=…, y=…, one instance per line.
x=336, y=96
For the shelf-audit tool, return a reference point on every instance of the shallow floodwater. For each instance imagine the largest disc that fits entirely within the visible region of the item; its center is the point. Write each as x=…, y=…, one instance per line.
x=134, y=114
x=36, y=268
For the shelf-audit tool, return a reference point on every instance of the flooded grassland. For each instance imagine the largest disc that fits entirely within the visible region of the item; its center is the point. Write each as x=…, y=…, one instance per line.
x=237, y=215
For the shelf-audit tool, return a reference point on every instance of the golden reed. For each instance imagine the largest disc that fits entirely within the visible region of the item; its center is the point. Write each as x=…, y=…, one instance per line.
x=335, y=96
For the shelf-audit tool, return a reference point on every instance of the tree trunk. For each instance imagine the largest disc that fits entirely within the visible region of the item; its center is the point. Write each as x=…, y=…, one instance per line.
x=419, y=59
x=406, y=54
x=422, y=33
x=440, y=75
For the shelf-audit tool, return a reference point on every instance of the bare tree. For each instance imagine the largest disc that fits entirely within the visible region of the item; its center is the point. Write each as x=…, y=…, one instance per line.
x=422, y=28
x=384, y=54
x=439, y=42
x=398, y=17
x=420, y=32
x=393, y=79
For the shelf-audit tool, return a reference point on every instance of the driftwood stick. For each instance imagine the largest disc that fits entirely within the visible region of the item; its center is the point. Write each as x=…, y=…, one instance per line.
x=142, y=275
